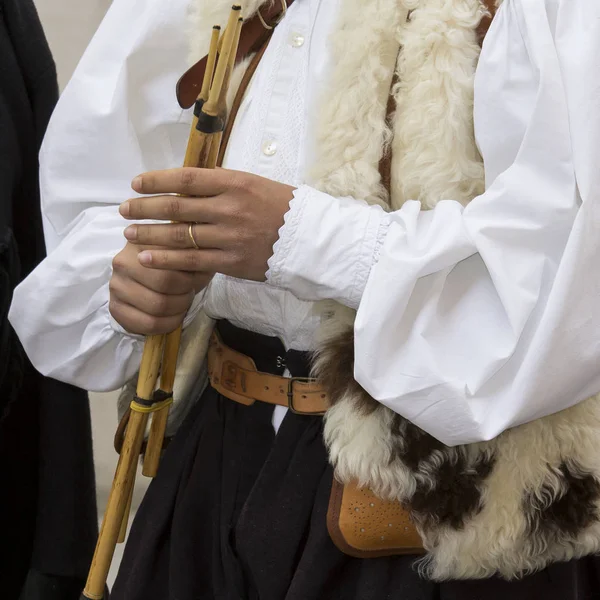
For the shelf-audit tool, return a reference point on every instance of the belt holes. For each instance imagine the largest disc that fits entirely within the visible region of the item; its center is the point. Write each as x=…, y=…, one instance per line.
x=303, y=397
x=323, y=396
x=266, y=388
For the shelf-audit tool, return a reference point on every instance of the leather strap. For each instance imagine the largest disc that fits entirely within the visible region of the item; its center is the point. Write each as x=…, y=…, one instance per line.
x=235, y=376
x=486, y=21
x=237, y=102
x=385, y=164
x=254, y=37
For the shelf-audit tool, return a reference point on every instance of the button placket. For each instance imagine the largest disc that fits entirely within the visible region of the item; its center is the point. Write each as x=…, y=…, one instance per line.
x=290, y=61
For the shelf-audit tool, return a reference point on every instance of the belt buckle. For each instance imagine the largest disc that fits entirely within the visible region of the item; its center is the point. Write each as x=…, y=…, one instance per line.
x=290, y=395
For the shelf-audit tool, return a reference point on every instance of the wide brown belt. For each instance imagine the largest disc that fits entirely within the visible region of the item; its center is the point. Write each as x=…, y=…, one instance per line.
x=235, y=376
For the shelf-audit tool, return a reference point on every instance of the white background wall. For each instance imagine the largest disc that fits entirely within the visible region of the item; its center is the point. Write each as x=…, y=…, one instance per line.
x=69, y=26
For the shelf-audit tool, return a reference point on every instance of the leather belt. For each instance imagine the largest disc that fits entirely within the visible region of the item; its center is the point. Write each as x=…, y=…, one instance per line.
x=235, y=376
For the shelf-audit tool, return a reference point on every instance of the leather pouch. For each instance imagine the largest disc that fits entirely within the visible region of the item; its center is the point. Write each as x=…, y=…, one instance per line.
x=364, y=526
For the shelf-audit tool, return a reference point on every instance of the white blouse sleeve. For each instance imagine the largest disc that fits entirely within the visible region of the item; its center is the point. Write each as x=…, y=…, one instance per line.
x=118, y=117
x=471, y=321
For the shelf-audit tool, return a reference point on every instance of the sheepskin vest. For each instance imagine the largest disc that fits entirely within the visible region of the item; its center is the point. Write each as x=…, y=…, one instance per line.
x=509, y=506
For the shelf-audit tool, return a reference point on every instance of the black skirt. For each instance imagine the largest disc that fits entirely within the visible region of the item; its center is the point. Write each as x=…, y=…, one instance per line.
x=239, y=513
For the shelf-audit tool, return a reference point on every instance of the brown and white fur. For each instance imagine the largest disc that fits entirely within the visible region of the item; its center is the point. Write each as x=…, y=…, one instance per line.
x=509, y=506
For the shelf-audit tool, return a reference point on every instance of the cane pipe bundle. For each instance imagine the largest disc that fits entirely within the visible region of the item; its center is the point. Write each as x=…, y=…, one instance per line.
x=161, y=351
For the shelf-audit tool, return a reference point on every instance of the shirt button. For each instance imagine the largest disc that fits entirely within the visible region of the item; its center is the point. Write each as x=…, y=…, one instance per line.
x=269, y=148
x=297, y=40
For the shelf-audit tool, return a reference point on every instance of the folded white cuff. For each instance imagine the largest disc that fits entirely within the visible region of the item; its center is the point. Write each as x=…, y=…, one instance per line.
x=327, y=247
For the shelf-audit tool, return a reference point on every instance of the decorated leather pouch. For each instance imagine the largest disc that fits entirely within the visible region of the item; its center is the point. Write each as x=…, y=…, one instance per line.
x=364, y=526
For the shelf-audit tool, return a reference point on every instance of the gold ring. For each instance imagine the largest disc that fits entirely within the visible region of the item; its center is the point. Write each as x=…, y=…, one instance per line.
x=191, y=234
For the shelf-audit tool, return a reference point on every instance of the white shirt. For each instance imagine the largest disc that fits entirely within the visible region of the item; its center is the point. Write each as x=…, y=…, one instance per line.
x=470, y=320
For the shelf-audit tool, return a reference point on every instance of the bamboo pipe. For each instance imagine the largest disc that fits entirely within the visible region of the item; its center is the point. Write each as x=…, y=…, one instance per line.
x=196, y=154
x=211, y=63
x=125, y=473
x=125, y=523
x=213, y=155
x=202, y=151
x=114, y=522
x=212, y=106
x=160, y=417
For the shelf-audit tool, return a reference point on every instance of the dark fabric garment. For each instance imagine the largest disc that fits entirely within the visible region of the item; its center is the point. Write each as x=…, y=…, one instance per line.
x=237, y=513
x=47, y=498
x=40, y=586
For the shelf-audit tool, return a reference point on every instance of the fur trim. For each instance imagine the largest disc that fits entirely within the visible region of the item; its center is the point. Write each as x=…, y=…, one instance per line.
x=435, y=156
x=352, y=128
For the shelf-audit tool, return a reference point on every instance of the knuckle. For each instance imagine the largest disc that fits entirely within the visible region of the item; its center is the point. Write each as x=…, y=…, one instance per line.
x=239, y=181
x=119, y=262
x=113, y=287
x=116, y=311
x=152, y=325
x=238, y=256
x=233, y=210
x=190, y=260
x=164, y=281
x=113, y=308
x=161, y=305
x=188, y=178
x=180, y=234
x=162, y=257
x=174, y=207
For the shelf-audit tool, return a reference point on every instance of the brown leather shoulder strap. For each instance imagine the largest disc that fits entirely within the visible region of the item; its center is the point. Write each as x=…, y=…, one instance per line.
x=486, y=21
x=235, y=107
x=254, y=37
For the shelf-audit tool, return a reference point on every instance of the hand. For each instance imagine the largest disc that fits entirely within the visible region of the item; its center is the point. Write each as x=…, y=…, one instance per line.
x=149, y=302
x=238, y=217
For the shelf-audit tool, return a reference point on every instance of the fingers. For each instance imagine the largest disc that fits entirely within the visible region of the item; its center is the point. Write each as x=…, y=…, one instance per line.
x=127, y=265
x=208, y=261
x=177, y=236
x=171, y=208
x=187, y=181
x=137, y=322
x=151, y=301
x=148, y=301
